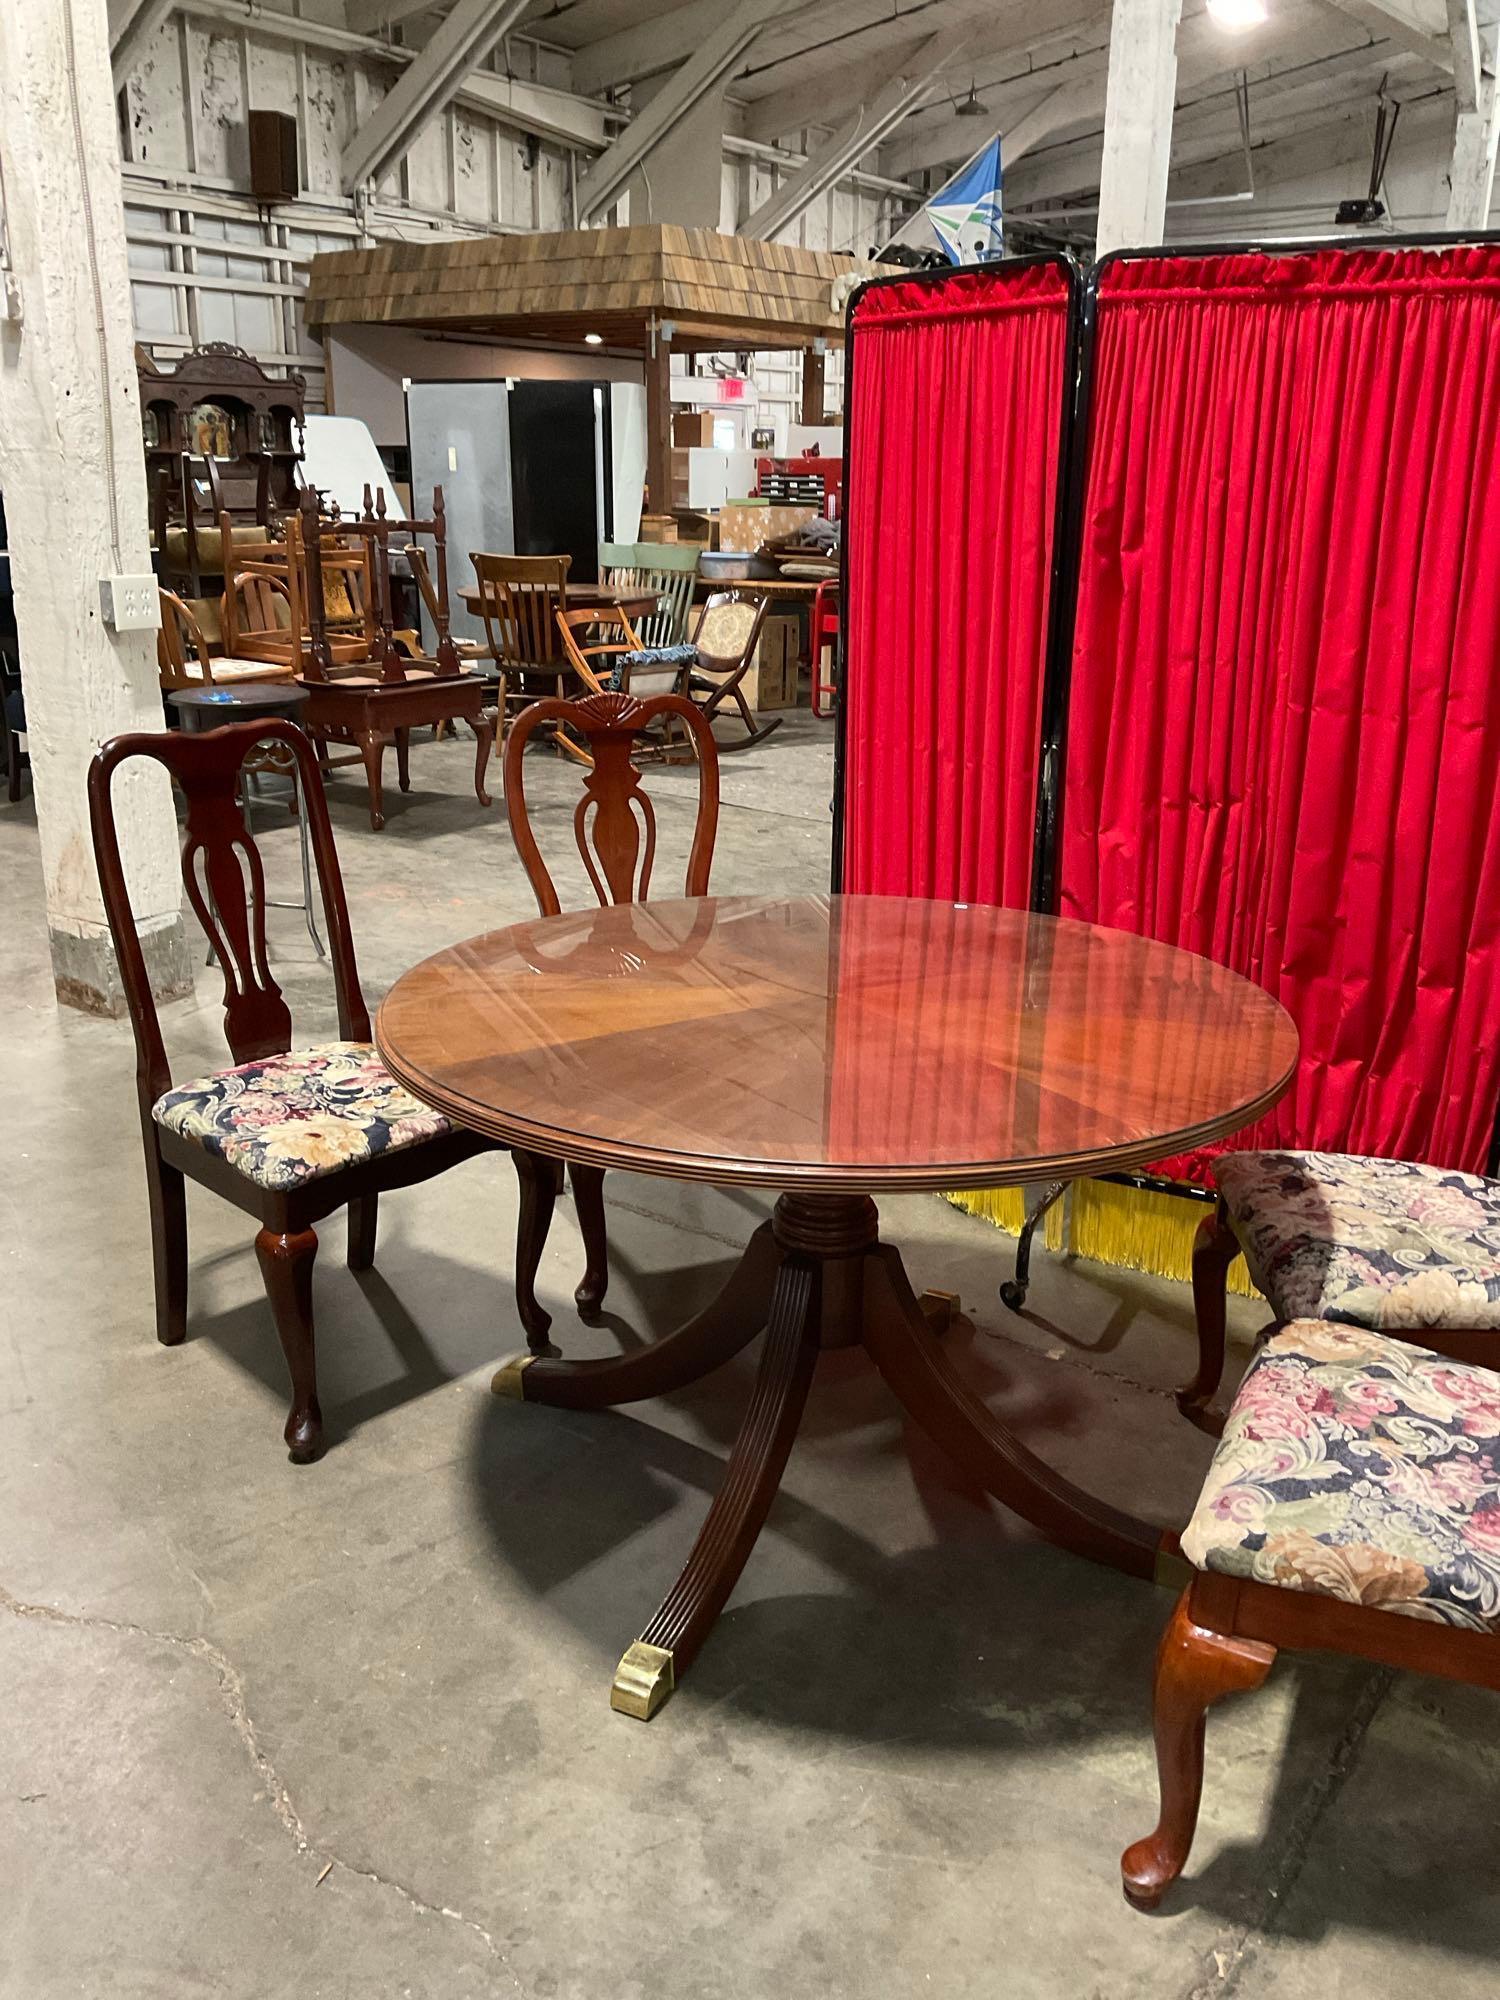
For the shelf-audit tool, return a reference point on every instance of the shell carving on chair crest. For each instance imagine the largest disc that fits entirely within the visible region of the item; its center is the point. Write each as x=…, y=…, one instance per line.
x=613, y=710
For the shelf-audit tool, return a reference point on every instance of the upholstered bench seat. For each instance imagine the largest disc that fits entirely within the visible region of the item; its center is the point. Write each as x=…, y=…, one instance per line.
x=1362, y=1468
x=287, y=1119
x=1387, y=1244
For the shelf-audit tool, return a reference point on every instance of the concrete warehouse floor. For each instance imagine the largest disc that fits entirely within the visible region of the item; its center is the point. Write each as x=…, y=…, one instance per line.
x=345, y=1730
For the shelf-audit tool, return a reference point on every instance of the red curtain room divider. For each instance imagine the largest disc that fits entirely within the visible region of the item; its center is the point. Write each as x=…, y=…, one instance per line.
x=1284, y=736
x=956, y=407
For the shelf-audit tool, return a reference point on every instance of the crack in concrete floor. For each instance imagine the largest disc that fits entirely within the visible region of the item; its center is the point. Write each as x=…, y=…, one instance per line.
x=231, y=1688
x=1233, y=1956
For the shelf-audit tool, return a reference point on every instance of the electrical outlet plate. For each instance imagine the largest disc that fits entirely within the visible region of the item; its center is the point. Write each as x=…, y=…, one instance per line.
x=130, y=603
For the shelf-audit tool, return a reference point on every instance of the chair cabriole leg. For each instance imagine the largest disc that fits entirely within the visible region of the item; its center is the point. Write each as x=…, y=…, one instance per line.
x=1195, y=1667
x=588, y=1203
x=363, y=1221
x=286, y=1265
x=1214, y=1250
x=538, y=1190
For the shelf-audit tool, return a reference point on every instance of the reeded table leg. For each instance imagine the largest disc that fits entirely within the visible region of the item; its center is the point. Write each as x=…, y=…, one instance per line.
x=652, y=1667
x=916, y=1368
x=820, y=1276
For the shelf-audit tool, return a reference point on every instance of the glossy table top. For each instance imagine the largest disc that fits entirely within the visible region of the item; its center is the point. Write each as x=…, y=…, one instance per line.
x=849, y=1043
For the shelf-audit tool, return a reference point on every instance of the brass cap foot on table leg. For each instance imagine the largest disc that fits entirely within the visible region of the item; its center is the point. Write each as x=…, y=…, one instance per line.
x=509, y=1377
x=643, y=1680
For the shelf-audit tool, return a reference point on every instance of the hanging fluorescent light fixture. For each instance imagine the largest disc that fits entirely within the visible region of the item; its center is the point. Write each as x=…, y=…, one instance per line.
x=1238, y=13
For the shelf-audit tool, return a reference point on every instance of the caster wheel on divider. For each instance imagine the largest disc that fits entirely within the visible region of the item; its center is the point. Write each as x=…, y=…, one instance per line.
x=1013, y=1295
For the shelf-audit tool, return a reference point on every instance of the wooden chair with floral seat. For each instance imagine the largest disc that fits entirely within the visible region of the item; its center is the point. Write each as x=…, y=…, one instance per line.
x=614, y=826
x=1393, y=1245
x=289, y=1134
x=1353, y=1506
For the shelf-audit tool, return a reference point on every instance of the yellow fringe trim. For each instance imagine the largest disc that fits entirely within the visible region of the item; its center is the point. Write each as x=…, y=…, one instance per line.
x=1005, y=1207
x=1133, y=1228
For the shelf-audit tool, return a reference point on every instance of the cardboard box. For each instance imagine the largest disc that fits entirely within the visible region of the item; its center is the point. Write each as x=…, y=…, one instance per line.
x=658, y=527
x=775, y=675
x=693, y=526
x=745, y=524
x=690, y=427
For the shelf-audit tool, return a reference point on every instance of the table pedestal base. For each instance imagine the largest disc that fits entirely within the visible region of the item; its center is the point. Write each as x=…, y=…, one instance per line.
x=815, y=1276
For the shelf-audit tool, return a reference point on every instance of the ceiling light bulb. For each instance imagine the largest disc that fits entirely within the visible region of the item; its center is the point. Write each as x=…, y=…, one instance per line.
x=593, y=340
x=1238, y=13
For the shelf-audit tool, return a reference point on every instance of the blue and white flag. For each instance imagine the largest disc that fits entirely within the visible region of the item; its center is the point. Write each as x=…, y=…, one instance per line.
x=965, y=214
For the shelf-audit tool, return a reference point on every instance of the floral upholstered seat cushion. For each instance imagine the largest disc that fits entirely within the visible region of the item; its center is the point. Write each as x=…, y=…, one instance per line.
x=1363, y=1468
x=1380, y=1243
x=287, y=1119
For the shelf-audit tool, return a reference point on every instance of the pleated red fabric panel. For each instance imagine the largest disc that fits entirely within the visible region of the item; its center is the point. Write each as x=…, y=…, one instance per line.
x=1284, y=732
x=956, y=409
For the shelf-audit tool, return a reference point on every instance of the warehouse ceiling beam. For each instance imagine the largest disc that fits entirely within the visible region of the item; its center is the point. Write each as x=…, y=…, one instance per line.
x=1418, y=26
x=704, y=71
x=465, y=38
x=1206, y=123
x=869, y=126
x=132, y=24
x=808, y=96
x=647, y=49
x=372, y=17
x=1076, y=98
x=527, y=107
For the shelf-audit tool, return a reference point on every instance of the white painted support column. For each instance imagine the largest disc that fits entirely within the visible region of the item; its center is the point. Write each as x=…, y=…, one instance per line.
x=74, y=479
x=1476, y=124
x=1138, y=123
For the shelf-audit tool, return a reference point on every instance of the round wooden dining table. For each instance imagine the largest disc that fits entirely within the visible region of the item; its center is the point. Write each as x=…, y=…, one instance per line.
x=828, y=1048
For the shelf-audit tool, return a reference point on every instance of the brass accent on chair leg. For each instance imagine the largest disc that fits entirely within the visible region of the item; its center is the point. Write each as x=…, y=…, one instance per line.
x=508, y=1376
x=643, y=1680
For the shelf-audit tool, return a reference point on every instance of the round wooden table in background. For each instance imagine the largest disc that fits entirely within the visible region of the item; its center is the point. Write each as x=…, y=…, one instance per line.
x=827, y=1048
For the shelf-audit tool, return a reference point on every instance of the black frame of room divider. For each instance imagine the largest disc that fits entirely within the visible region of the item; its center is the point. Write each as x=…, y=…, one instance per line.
x=1074, y=441
x=1073, y=277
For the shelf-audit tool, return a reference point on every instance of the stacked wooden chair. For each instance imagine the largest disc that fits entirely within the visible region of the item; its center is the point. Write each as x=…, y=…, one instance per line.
x=185, y=659
x=381, y=699
x=1353, y=1503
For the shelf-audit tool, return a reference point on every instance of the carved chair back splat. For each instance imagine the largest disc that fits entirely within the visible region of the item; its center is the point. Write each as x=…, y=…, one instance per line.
x=617, y=847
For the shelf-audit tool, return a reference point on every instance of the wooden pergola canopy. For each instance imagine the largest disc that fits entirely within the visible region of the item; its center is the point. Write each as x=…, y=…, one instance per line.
x=719, y=291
